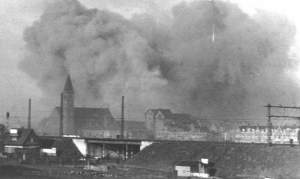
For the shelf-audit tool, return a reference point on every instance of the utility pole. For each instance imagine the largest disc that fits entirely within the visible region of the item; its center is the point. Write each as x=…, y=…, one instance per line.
x=61, y=116
x=269, y=106
x=7, y=120
x=122, y=119
x=29, y=114
x=269, y=124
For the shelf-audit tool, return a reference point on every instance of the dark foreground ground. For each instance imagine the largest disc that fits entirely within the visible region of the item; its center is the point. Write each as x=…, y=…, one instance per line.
x=17, y=171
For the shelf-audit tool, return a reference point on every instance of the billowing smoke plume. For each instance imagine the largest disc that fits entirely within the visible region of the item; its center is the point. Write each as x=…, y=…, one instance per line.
x=165, y=64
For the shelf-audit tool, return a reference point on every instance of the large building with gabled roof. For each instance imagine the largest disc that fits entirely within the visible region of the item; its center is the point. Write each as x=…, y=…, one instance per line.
x=67, y=119
x=70, y=120
x=165, y=120
x=166, y=125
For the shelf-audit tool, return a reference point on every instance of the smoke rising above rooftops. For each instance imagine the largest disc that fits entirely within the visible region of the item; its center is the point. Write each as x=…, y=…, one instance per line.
x=170, y=63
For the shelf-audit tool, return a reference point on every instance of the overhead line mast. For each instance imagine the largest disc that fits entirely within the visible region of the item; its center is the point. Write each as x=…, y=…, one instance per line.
x=122, y=119
x=269, y=124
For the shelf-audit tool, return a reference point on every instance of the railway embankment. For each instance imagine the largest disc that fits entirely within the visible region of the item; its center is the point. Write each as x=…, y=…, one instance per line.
x=228, y=159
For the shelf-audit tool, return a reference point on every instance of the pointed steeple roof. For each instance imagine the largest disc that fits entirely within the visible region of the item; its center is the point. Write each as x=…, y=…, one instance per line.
x=68, y=85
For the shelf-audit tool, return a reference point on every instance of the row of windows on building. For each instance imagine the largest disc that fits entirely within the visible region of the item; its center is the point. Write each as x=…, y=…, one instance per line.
x=181, y=135
x=273, y=130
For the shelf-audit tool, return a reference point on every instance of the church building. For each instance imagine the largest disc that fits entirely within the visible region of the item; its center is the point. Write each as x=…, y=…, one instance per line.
x=67, y=119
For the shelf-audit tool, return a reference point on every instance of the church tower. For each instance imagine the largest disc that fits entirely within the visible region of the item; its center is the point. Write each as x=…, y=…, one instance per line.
x=68, y=108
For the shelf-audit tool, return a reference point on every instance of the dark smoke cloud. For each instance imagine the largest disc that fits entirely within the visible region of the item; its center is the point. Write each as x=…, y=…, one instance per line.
x=173, y=64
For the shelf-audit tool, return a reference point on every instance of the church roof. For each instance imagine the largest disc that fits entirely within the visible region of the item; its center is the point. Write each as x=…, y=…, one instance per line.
x=68, y=86
x=82, y=113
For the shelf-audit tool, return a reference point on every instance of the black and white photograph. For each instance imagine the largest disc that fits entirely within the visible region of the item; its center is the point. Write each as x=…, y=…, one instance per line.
x=150, y=89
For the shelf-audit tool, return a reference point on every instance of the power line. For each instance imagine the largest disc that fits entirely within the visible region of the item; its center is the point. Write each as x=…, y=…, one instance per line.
x=269, y=124
x=97, y=117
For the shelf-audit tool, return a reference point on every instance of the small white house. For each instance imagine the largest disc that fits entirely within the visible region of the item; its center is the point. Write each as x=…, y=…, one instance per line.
x=192, y=168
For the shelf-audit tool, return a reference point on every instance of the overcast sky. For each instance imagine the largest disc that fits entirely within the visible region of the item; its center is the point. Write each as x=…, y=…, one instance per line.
x=17, y=87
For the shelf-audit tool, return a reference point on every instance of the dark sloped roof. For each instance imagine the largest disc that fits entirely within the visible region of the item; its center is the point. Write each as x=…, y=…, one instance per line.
x=68, y=86
x=66, y=148
x=81, y=113
x=25, y=133
x=262, y=127
x=290, y=127
x=166, y=112
x=153, y=110
x=186, y=117
x=46, y=143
